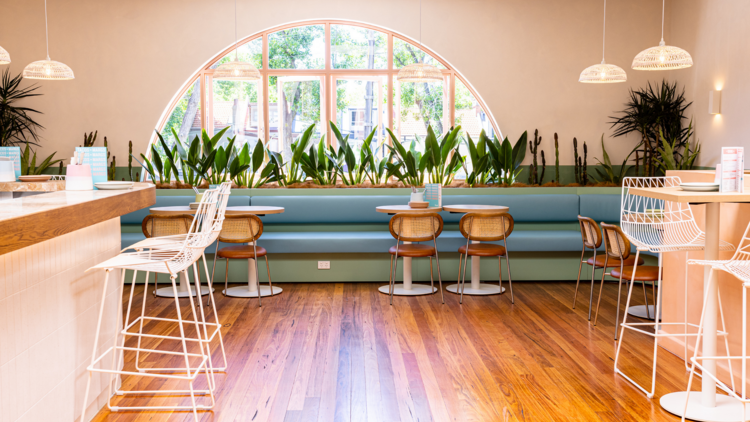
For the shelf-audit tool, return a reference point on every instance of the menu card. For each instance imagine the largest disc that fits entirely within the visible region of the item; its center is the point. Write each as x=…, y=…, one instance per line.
x=433, y=194
x=14, y=153
x=732, y=169
x=96, y=157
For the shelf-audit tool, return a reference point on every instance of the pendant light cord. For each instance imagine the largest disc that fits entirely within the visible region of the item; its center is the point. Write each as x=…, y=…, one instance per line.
x=46, y=28
x=604, y=29
x=420, y=22
x=662, y=20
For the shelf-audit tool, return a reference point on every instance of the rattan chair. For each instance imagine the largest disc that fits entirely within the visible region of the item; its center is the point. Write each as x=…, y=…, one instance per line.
x=415, y=227
x=165, y=225
x=659, y=226
x=617, y=250
x=485, y=227
x=245, y=228
x=592, y=239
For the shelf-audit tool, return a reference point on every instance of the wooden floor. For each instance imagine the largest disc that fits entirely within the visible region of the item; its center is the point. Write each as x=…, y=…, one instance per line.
x=339, y=352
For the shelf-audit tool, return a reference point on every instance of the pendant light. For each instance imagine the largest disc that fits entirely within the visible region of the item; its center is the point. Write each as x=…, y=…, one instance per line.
x=236, y=70
x=49, y=70
x=662, y=57
x=603, y=73
x=4, y=56
x=420, y=72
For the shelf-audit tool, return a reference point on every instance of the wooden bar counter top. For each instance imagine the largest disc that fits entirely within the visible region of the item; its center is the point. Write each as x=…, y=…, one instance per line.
x=49, y=303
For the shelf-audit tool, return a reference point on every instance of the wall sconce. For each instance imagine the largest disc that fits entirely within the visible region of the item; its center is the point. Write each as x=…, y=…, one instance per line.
x=714, y=102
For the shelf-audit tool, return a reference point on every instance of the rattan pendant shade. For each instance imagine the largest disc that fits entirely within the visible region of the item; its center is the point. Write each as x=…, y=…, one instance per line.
x=4, y=56
x=662, y=57
x=49, y=70
x=420, y=72
x=603, y=73
x=236, y=71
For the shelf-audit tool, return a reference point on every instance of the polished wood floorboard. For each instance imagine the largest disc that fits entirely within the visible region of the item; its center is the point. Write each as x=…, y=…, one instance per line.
x=340, y=352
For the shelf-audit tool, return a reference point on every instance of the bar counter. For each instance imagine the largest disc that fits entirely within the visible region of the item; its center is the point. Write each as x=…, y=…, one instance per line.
x=48, y=305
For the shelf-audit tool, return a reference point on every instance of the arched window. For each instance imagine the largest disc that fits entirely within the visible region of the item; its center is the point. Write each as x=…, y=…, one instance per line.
x=320, y=71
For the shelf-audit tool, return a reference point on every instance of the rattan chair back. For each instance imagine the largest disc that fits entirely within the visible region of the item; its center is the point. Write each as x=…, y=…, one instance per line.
x=416, y=227
x=166, y=225
x=243, y=228
x=616, y=244
x=590, y=232
x=486, y=227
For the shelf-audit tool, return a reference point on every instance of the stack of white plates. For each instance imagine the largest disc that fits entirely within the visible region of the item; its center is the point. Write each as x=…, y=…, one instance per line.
x=700, y=187
x=113, y=185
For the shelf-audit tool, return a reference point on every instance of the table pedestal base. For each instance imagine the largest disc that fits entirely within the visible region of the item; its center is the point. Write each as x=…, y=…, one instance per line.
x=728, y=409
x=640, y=312
x=416, y=290
x=480, y=289
x=244, y=291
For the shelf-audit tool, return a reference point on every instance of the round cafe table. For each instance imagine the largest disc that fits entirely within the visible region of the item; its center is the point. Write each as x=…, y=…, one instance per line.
x=407, y=288
x=251, y=289
x=477, y=288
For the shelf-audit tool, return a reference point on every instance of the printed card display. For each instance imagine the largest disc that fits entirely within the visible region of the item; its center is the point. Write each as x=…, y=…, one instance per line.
x=732, y=169
x=433, y=193
x=14, y=153
x=96, y=157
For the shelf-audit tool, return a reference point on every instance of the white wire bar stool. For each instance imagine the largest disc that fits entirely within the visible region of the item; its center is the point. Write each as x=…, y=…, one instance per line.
x=591, y=237
x=485, y=227
x=172, y=261
x=739, y=267
x=173, y=241
x=415, y=227
x=658, y=226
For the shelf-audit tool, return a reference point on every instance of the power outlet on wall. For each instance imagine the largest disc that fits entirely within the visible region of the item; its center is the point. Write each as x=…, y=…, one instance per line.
x=324, y=265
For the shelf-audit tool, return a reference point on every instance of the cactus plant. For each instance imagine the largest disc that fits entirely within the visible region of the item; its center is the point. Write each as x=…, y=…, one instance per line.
x=544, y=166
x=576, y=161
x=585, y=174
x=89, y=139
x=130, y=160
x=534, y=167
x=111, y=166
x=61, y=168
x=557, y=160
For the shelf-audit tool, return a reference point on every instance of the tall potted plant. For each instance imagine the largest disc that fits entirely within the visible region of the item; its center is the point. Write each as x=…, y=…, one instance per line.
x=652, y=112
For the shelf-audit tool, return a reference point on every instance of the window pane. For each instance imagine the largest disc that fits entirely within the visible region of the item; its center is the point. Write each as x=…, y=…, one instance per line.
x=235, y=105
x=469, y=114
x=294, y=105
x=302, y=47
x=251, y=52
x=354, y=47
x=185, y=118
x=419, y=105
x=360, y=107
x=405, y=53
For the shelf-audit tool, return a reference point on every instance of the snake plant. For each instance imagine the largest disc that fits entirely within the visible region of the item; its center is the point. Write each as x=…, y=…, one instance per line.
x=409, y=166
x=443, y=159
x=480, y=160
x=506, y=159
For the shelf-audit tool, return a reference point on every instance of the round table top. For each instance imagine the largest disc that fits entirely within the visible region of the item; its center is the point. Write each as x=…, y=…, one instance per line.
x=393, y=209
x=476, y=208
x=257, y=210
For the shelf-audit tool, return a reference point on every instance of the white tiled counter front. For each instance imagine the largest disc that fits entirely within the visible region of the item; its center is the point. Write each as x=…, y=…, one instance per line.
x=48, y=312
x=49, y=306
